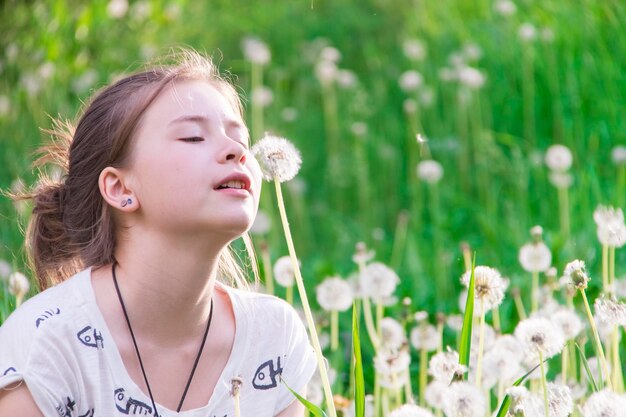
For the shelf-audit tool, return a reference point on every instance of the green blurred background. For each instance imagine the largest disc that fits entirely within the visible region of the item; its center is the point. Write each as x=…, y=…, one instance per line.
x=548, y=72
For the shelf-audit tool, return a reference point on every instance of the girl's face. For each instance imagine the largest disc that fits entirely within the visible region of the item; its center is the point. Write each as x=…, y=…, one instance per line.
x=190, y=167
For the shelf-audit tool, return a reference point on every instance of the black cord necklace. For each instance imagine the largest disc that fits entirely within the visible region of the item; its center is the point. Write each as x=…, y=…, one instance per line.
x=143, y=371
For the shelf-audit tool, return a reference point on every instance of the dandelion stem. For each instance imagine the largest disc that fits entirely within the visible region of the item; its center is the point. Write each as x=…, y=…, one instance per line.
x=379, y=318
x=423, y=375
x=564, y=210
x=481, y=342
x=305, y=303
x=544, y=386
x=496, y=319
x=408, y=391
x=399, y=241
x=596, y=337
x=369, y=323
x=377, y=395
x=519, y=305
x=564, y=360
x=605, y=268
x=534, y=302
x=289, y=294
x=267, y=268
x=611, y=290
x=334, y=330
x=618, y=377
x=237, y=409
x=257, y=109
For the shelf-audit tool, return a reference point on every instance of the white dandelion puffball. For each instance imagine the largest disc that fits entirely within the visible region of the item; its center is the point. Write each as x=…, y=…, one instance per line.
x=393, y=336
x=18, y=284
x=256, y=51
x=283, y=272
x=560, y=400
x=390, y=362
x=611, y=227
x=604, y=403
x=262, y=96
x=326, y=72
x=426, y=337
x=411, y=410
x=505, y=7
x=5, y=270
x=334, y=294
x=535, y=257
x=539, y=335
x=410, y=81
x=429, y=171
x=435, y=393
x=527, y=32
x=560, y=179
x=278, y=158
x=500, y=364
x=488, y=287
x=346, y=78
x=559, y=158
x=471, y=77
x=618, y=155
x=414, y=49
x=464, y=400
x=331, y=54
x=443, y=366
x=575, y=274
x=568, y=321
x=117, y=8
x=362, y=255
x=610, y=311
x=378, y=281
x=409, y=106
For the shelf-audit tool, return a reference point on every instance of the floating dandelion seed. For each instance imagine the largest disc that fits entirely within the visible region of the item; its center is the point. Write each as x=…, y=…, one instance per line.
x=411, y=410
x=429, y=171
x=611, y=228
x=334, y=294
x=278, y=157
x=538, y=335
x=464, y=400
x=559, y=158
x=283, y=272
x=610, y=311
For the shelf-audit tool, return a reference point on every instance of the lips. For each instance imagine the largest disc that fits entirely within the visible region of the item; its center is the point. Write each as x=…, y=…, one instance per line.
x=237, y=181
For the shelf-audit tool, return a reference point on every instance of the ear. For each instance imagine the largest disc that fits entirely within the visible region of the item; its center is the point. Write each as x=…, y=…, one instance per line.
x=115, y=191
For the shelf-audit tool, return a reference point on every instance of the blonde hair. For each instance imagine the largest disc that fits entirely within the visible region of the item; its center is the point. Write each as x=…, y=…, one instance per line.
x=72, y=227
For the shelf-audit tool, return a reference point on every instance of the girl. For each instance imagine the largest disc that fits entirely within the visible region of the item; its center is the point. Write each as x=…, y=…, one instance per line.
x=141, y=319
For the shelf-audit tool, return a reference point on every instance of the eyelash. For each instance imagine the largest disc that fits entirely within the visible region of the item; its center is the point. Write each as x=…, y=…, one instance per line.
x=193, y=139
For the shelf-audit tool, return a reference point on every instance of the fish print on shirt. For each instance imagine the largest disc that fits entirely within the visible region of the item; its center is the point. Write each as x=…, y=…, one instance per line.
x=266, y=376
x=9, y=370
x=128, y=405
x=89, y=336
x=65, y=410
x=89, y=413
x=46, y=315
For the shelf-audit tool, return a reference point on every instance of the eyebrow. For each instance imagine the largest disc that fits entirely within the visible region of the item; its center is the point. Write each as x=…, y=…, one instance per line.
x=198, y=118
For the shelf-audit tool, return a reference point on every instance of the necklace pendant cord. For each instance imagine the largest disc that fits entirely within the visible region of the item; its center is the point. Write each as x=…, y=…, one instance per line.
x=143, y=371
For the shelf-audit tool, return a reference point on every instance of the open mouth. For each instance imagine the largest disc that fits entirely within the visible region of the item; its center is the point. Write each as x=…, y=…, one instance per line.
x=239, y=185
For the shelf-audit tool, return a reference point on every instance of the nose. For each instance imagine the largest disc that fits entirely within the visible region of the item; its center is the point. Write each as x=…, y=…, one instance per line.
x=234, y=151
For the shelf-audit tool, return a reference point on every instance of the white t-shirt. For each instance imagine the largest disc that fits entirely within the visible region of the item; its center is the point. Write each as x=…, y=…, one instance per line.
x=59, y=344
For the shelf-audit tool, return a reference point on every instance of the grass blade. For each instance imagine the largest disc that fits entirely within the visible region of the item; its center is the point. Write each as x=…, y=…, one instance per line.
x=359, y=383
x=466, y=331
x=586, y=365
x=313, y=409
x=506, y=402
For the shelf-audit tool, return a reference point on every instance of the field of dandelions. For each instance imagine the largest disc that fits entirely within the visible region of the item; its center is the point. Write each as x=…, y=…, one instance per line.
x=433, y=136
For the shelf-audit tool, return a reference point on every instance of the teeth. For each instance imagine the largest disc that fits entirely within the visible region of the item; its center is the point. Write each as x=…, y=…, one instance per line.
x=233, y=184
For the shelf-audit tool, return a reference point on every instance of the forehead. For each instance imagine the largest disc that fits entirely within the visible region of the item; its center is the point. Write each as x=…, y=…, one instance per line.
x=190, y=97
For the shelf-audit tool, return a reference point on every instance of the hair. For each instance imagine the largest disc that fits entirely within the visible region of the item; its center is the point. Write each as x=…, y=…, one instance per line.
x=72, y=226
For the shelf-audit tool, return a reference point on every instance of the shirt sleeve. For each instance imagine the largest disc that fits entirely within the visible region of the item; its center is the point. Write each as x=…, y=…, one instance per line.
x=29, y=353
x=300, y=363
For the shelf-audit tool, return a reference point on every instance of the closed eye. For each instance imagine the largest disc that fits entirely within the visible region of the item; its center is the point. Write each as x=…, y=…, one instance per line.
x=193, y=139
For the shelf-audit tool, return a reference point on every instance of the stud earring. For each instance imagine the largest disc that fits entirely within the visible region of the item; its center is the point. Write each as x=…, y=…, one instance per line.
x=126, y=202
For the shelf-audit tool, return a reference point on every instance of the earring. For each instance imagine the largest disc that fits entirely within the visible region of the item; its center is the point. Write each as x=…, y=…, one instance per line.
x=126, y=202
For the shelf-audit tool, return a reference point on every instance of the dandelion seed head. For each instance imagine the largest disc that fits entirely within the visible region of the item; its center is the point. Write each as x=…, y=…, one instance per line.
x=18, y=284
x=409, y=106
x=326, y=72
x=289, y=114
x=538, y=334
x=392, y=333
x=420, y=316
x=618, y=155
x=560, y=179
x=527, y=32
x=472, y=51
x=464, y=400
x=116, y=9
x=429, y=171
x=331, y=54
x=610, y=224
x=334, y=294
x=256, y=51
x=262, y=96
x=610, y=311
x=535, y=257
x=411, y=410
x=378, y=280
x=443, y=366
x=358, y=129
x=283, y=272
x=346, y=78
x=410, y=81
x=471, y=77
x=488, y=286
x=392, y=364
x=576, y=275
x=278, y=158
x=604, y=403
x=414, y=49
x=425, y=336
x=435, y=393
x=5, y=270
x=505, y=7
x=568, y=321
x=559, y=158
x=560, y=400
x=362, y=255
x=455, y=322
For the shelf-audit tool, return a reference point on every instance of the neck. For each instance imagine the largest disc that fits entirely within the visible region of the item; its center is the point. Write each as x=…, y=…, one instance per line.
x=167, y=284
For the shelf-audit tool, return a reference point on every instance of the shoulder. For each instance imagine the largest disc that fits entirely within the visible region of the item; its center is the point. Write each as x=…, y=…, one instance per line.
x=264, y=307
